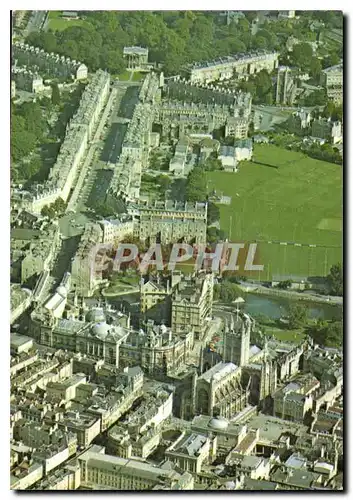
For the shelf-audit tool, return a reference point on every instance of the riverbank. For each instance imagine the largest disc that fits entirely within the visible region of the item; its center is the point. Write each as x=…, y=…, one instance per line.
x=300, y=296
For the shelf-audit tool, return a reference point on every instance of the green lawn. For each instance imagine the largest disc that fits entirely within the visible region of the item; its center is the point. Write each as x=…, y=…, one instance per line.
x=57, y=23
x=295, y=336
x=125, y=76
x=137, y=76
x=290, y=203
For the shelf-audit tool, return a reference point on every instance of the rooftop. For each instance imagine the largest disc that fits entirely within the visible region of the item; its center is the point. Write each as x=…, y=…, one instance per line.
x=190, y=445
x=219, y=371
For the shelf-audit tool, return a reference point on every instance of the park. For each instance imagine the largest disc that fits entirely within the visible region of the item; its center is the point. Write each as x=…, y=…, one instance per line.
x=282, y=199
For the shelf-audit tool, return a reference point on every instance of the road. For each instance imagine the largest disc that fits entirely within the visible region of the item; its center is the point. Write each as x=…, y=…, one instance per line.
x=85, y=170
x=35, y=22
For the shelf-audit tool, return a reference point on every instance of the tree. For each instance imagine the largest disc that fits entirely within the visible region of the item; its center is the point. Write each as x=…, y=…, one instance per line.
x=55, y=94
x=28, y=169
x=316, y=98
x=302, y=56
x=264, y=87
x=48, y=211
x=229, y=292
x=329, y=109
x=259, y=42
x=59, y=205
x=327, y=333
x=331, y=59
x=315, y=67
x=297, y=315
x=335, y=279
x=285, y=284
x=212, y=163
x=164, y=181
x=196, y=186
x=213, y=213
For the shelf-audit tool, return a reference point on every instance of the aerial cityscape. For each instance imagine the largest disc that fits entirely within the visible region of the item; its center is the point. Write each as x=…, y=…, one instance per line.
x=176, y=250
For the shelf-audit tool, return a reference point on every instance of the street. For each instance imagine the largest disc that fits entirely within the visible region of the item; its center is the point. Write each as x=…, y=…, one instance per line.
x=35, y=22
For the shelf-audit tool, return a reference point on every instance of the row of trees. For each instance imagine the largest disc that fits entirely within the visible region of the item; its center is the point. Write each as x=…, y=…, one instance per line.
x=326, y=152
x=196, y=185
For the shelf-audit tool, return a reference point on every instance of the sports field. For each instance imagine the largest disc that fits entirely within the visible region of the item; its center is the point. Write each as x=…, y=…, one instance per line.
x=284, y=196
x=57, y=23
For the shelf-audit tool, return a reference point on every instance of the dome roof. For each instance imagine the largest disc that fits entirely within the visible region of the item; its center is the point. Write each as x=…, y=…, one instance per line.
x=95, y=315
x=101, y=330
x=218, y=423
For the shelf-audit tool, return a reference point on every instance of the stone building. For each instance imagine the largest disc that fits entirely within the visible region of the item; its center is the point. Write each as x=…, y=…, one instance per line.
x=136, y=57
x=21, y=299
x=92, y=335
x=139, y=432
x=218, y=391
x=155, y=297
x=86, y=266
x=27, y=80
x=294, y=401
x=185, y=91
x=170, y=222
x=178, y=162
x=137, y=142
x=238, y=127
x=256, y=371
x=230, y=156
x=325, y=128
x=115, y=230
x=116, y=473
x=33, y=250
x=107, y=405
x=157, y=349
x=49, y=65
x=181, y=118
x=224, y=68
x=332, y=80
x=299, y=122
x=192, y=304
x=285, y=86
x=191, y=451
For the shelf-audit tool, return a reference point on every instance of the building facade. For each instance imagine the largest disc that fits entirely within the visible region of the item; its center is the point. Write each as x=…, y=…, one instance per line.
x=225, y=68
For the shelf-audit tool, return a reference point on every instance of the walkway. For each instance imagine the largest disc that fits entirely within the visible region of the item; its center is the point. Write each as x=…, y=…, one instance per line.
x=92, y=149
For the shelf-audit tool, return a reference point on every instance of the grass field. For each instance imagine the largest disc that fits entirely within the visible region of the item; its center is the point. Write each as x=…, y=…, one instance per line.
x=57, y=23
x=125, y=76
x=284, y=196
x=295, y=336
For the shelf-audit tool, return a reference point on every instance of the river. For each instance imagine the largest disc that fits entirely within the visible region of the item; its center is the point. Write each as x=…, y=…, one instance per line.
x=276, y=307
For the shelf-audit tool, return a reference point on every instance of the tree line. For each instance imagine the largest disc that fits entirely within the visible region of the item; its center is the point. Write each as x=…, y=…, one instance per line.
x=173, y=37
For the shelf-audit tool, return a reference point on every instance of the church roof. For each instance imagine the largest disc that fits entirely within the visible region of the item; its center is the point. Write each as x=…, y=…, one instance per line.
x=219, y=371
